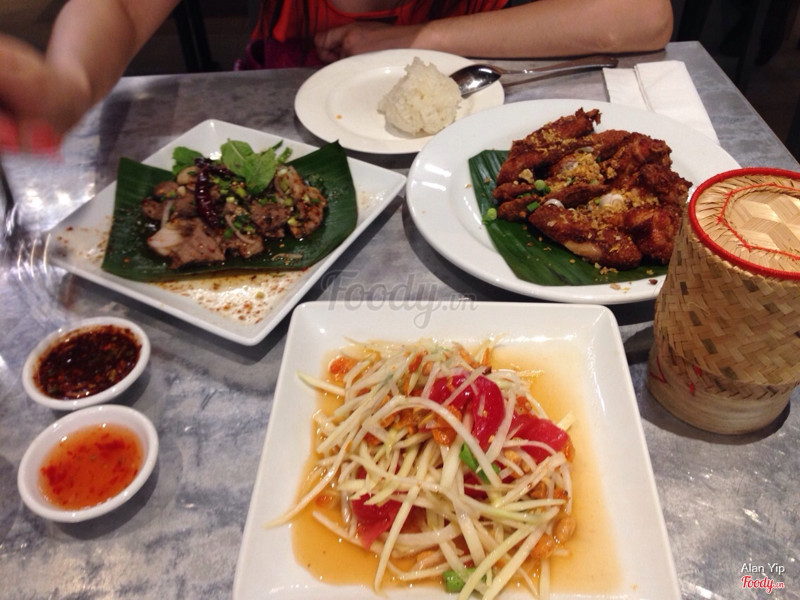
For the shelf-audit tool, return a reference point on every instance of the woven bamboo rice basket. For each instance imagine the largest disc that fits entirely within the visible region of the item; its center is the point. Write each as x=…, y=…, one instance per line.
x=726, y=354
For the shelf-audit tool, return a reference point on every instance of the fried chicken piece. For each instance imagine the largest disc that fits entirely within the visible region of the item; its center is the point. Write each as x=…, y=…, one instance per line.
x=547, y=144
x=536, y=159
x=610, y=197
x=578, y=232
x=516, y=209
x=653, y=230
x=606, y=143
x=663, y=183
x=564, y=128
x=638, y=150
x=579, y=194
x=545, y=161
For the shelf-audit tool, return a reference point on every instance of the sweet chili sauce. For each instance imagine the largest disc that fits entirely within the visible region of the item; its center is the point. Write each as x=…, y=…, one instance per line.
x=87, y=362
x=90, y=465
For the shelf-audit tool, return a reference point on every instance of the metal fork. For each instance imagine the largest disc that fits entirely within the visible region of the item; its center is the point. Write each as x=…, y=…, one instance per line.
x=24, y=256
x=9, y=212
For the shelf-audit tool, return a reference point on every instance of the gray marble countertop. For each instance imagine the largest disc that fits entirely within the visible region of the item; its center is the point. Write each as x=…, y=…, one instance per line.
x=728, y=502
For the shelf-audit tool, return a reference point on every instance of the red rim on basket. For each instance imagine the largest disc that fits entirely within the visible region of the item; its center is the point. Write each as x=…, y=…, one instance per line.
x=771, y=179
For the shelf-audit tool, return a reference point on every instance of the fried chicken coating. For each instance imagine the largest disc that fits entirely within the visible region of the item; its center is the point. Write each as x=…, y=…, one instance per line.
x=610, y=197
x=606, y=246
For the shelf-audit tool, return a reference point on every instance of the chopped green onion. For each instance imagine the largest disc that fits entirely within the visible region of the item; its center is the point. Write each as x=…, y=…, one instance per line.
x=453, y=582
x=541, y=187
x=490, y=215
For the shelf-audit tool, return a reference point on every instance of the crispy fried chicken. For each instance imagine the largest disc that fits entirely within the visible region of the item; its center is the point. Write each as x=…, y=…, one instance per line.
x=610, y=197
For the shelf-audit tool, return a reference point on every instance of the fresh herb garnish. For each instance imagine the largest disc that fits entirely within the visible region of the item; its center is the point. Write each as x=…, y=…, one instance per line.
x=256, y=168
x=183, y=157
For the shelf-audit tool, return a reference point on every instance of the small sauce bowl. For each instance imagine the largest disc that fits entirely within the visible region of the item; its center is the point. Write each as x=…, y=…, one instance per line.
x=42, y=447
x=113, y=330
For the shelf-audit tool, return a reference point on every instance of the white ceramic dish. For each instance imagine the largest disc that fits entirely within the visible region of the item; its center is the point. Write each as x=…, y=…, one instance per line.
x=582, y=335
x=32, y=363
x=242, y=308
x=27, y=476
x=340, y=101
x=443, y=206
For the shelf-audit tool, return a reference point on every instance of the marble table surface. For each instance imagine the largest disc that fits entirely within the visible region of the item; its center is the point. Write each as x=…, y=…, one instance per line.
x=730, y=503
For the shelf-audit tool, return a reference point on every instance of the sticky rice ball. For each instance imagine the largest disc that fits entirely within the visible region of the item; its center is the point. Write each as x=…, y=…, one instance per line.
x=423, y=102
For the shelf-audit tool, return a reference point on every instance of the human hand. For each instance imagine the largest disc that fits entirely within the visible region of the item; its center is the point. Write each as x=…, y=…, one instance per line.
x=360, y=37
x=38, y=103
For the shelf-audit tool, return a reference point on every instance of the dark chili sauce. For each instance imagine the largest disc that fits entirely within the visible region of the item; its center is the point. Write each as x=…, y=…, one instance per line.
x=87, y=361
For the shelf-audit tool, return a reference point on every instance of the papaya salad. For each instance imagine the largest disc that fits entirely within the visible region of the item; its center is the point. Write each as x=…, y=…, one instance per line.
x=446, y=468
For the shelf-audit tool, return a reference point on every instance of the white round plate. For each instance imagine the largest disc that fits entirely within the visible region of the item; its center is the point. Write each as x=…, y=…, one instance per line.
x=340, y=101
x=35, y=455
x=443, y=205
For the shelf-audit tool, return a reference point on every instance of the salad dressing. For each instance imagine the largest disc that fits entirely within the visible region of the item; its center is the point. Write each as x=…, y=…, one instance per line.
x=592, y=566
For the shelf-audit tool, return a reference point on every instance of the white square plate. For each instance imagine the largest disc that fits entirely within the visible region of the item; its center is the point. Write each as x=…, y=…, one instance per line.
x=241, y=308
x=604, y=404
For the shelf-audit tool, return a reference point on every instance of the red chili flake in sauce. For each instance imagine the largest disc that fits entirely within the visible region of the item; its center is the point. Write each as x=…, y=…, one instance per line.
x=90, y=465
x=87, y=362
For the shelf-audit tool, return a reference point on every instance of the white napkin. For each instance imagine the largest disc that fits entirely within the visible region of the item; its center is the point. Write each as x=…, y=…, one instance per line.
x=662, y=87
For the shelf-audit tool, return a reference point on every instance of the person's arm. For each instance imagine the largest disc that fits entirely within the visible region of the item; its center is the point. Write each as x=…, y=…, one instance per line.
x=539, y=29
x=43, y=96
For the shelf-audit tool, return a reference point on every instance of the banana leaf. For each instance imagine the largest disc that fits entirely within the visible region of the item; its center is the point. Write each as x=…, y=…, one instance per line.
x=531, y=256
x=128, y=256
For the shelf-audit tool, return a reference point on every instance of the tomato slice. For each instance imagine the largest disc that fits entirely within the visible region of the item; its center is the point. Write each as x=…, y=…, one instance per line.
x=533, y=428
x=373, y=519
x=487, y=411
x=484, y=398
x=443, y=388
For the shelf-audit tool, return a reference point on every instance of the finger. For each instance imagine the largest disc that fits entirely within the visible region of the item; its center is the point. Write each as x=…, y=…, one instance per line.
x=328, y=44
x=29, y=135
x=39, y=137
x=32, y=92
x=22, y=75
x=9, y=135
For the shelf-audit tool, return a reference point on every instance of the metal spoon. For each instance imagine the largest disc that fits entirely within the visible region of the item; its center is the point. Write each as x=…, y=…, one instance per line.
x=475, y=77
